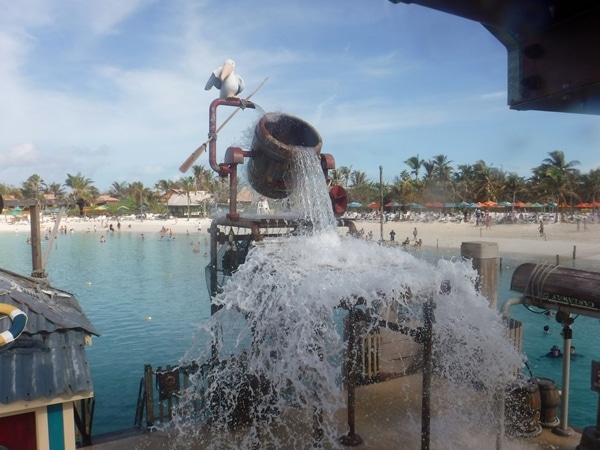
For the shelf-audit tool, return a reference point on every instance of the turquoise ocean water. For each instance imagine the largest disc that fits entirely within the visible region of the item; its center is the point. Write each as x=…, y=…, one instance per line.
x=145, y=296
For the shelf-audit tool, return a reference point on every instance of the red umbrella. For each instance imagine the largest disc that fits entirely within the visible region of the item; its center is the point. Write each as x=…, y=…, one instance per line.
x=374, y=205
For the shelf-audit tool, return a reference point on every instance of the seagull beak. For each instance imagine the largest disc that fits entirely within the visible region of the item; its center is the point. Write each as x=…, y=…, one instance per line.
x=227, y=69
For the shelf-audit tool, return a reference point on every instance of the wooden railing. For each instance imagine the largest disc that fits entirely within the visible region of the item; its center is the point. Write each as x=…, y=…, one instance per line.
x=162, y=390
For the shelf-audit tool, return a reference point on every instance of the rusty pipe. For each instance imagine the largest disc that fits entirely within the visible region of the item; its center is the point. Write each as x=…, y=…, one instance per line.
x=221, y=169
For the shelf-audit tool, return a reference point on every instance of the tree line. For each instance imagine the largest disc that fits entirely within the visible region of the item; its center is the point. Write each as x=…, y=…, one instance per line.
x=555, y=180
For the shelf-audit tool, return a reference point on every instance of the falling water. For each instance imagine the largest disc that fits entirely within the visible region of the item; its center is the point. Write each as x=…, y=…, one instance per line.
x=280, y=343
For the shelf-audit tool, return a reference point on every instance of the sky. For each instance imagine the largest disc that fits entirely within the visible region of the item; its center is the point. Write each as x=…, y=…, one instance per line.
x=114, y=89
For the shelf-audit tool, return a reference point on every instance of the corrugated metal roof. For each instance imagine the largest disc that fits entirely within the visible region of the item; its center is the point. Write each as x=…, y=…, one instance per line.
x=49, y=358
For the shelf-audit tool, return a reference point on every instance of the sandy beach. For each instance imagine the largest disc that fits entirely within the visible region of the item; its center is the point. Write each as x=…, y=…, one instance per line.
x=560, y=239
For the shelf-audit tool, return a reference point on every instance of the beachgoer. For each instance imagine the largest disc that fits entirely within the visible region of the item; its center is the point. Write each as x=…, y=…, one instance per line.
x=419, y=243
x=554, y=352
x=111, y=228
x=392, y=235
x=541, y=228
x=573, y=353
x=585, y=228
x=415, y=233
x=406, y=241
x=102, y=239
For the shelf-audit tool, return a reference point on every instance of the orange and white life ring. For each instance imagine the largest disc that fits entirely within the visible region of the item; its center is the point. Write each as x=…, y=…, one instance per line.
x=19, y=321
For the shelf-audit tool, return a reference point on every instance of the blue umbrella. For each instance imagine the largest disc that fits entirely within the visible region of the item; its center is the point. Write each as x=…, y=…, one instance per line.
x=354, y=205
x=144, y=208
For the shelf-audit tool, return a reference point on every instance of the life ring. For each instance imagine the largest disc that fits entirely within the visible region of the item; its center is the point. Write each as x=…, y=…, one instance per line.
x=19, y=321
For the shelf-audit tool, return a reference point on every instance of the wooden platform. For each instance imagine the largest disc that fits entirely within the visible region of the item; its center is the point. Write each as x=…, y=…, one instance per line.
x=387, y=417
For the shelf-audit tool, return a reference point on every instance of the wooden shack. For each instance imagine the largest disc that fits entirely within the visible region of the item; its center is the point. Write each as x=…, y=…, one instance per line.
x=46, y=389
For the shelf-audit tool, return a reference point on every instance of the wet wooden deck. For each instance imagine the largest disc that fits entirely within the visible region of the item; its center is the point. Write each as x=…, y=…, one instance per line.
x=387, y=417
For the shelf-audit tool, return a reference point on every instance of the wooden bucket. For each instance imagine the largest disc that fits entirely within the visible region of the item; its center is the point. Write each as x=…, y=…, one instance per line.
x=277, y=137
x=522, y=409
x=550, y=401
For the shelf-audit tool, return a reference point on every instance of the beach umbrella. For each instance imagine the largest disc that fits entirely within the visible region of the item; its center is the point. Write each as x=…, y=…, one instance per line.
x=144, y=208
x=519, y=204
x=100, y=208
x=354, y=205
x=122, y=208
x=505, y=204
x=374, y=205
x=392, y=204
x=449, y=205
x=416, y=206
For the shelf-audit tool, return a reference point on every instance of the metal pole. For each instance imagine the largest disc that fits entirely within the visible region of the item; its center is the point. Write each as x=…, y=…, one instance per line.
x=427, y=372
x=563, y=429
x=381, y=203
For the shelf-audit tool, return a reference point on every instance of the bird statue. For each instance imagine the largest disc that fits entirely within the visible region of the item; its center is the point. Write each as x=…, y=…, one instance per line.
x=226, y=80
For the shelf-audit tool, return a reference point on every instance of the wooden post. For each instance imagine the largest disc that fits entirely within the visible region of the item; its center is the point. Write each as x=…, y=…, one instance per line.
x=352, y=439
x=36, y=242
x=427, y=373
x=485, y=262
x=148, y=375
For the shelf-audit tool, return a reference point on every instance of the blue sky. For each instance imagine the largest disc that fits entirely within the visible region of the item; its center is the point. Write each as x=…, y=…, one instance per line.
x=114, y=89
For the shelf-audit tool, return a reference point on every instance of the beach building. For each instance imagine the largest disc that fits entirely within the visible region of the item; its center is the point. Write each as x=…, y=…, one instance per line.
x=46, y=389
x=178, y=201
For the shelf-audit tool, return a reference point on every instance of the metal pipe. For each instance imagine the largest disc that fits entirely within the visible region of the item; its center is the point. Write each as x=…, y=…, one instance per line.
x=212, y=129
x=504, y=310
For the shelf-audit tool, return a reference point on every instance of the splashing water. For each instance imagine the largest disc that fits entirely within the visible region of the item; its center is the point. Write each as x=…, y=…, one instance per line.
x=280, y=343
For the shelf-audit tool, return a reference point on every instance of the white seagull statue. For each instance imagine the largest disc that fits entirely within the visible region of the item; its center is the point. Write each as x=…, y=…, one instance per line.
x=226, y=80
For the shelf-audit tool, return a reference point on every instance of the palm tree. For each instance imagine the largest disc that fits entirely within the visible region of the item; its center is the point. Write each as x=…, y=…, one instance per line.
x=188, y=184
x=118, y=190
x=204, y=179
x=463, y=180
x=139, y=193
x=56, y=189
x=591, y=184
x=442, y=171
x=82, y=189
x=558, y=177
x=164, y=186
x=33, y=186
x=514, y=185
x=344, y=173
x=415, y=164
